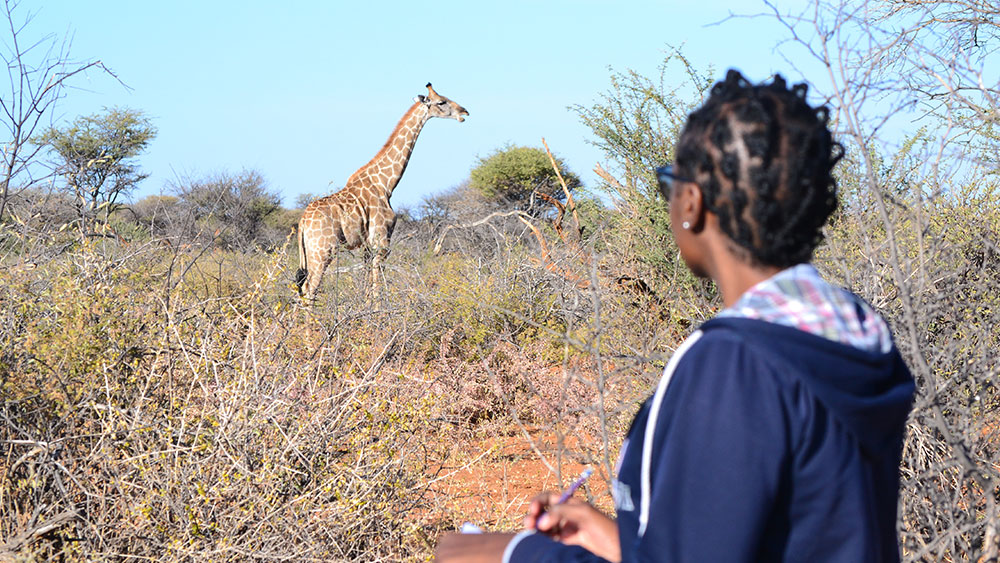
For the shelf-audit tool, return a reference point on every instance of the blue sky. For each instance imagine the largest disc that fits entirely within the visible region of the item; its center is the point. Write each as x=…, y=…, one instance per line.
x=306, y=92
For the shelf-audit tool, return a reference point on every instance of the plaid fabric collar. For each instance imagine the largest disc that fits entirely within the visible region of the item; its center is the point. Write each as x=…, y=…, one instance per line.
x=800, y=298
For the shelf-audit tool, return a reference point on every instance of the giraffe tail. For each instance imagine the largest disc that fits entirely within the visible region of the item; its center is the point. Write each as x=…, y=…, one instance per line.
x=303, y=271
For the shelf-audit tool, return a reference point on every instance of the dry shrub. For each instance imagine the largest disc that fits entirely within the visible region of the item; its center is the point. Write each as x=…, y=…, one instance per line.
x=173, y=401
x=170, y=400
x=158, y=420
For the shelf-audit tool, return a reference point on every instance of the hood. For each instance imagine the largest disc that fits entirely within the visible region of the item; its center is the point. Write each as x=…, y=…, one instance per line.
x=869, y=392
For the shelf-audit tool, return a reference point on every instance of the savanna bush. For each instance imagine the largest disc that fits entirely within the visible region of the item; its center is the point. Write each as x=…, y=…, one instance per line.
x=513, y=175
x=233, y=211
x=174, y=418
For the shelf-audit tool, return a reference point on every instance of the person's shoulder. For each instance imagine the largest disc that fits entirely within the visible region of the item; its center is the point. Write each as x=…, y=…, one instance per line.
x=769, y=338
x=731, y=352
x=742, y=336
x=726, y=371
x=749, y=362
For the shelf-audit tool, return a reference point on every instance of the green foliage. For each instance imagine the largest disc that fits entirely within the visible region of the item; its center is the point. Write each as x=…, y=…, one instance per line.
x=636, y=123
x=592, y=212
x=639, y=119
x=513, y=173
x=95, y=157
x=479, y=312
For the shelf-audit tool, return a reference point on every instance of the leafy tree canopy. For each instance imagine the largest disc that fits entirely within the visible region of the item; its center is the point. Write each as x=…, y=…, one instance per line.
x=513, y=173
x=95, y=155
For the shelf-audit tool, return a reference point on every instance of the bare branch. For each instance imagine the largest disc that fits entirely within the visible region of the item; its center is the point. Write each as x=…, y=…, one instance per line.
x=37, y=82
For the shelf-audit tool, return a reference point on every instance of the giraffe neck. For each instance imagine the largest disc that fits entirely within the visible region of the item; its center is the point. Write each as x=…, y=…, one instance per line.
x=383, y=172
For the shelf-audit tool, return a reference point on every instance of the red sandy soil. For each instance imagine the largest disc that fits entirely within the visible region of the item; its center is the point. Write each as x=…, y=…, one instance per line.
x=490, y=481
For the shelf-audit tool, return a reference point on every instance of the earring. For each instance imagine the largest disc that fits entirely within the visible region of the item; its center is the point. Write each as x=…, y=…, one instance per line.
x=686, y=225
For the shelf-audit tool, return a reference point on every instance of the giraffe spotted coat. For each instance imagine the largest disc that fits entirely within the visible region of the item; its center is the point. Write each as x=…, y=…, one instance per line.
x=359, y=215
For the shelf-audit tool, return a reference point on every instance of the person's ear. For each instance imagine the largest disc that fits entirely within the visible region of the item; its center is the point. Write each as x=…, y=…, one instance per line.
x=692, y=206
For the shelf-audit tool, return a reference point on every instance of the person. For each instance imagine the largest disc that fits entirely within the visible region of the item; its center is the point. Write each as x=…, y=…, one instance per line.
x=776, y=430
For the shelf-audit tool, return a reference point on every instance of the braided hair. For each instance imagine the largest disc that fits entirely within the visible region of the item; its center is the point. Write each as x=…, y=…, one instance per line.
x=762, y=157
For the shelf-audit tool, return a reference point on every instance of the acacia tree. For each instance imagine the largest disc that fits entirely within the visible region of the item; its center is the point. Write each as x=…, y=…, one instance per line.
x=95, y=156
x=513, y=174
x=38, y=71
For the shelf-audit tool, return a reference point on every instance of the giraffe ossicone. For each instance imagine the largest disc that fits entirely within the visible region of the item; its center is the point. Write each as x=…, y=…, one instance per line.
x=359, y=214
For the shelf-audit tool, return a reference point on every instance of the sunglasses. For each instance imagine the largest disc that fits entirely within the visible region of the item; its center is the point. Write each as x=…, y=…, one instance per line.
x=666, y=178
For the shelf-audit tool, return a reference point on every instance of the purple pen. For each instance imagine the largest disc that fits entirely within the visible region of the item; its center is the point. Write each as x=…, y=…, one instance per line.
x=576, y=485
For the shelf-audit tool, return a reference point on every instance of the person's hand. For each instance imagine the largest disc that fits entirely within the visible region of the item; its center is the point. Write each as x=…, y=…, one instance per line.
x=538, y=506
x=474, y=548
x=575, y=523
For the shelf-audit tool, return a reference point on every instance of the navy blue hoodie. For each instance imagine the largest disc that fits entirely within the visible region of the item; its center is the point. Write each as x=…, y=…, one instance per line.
x=772, y=444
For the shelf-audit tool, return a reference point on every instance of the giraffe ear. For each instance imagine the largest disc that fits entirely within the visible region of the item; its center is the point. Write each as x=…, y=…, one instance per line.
x=420, y=99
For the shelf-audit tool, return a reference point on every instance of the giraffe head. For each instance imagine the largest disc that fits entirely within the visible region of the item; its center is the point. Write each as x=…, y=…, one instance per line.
x=439, y=106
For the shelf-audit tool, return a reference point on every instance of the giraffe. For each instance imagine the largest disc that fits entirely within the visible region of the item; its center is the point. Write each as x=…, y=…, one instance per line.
x=359, y=213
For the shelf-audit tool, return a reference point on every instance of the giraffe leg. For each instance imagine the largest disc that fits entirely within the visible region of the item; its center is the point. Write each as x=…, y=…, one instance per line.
x=367, y=259
x=378, y=242
x=377, y=275
x=319, y=261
